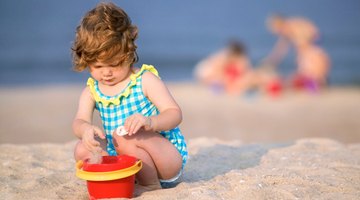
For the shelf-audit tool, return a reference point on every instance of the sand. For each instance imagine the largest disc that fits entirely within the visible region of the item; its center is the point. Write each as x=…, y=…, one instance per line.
x=305, y=169
x=298, y=146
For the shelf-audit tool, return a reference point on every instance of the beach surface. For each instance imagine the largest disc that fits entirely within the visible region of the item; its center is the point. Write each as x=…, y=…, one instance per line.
x=297, y=146
x=216, y=169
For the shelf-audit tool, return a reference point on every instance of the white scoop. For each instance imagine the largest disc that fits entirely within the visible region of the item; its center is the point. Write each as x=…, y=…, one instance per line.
x=120, y=131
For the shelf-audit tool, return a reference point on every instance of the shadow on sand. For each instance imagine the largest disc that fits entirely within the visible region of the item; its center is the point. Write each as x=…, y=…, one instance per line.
x=219, y=159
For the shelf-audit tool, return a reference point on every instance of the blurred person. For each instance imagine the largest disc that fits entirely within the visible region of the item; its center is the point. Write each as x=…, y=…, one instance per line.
x=228, y=70
x=311, y=60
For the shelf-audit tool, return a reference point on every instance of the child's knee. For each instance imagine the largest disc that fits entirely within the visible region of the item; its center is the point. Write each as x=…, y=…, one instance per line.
x=81, y=153
x=120, y=141
x=126, y=144
x=127, y=138
x=117, y=140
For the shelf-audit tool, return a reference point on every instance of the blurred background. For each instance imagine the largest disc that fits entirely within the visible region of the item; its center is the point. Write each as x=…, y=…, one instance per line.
x=36, y=37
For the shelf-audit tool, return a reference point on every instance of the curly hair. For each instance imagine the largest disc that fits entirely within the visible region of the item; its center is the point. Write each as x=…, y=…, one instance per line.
x=105, y=33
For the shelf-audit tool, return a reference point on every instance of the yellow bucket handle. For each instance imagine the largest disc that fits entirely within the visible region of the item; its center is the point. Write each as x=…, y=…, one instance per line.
x=107, y=176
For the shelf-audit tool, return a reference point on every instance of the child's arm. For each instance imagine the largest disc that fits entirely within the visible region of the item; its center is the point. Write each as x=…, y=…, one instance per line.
x=170, y=113
x=82, y=126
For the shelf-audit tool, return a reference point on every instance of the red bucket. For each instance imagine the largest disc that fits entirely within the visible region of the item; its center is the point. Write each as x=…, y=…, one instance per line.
x=114, y=177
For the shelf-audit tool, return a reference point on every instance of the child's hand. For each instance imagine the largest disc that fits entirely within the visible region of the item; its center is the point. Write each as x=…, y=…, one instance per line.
x=88, y=138
x=137, y=121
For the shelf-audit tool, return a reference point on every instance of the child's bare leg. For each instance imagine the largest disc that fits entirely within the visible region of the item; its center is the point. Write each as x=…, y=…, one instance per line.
x=160, y=158
x=81, y=153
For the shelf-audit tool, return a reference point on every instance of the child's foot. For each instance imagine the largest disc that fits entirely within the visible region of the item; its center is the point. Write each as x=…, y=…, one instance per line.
x=139, y=189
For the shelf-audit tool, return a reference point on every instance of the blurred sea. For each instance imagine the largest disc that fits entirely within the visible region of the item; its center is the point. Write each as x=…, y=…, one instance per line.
x=36, y=35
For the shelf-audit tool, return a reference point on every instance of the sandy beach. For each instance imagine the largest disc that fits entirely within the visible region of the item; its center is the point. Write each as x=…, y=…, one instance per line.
x=298, y=146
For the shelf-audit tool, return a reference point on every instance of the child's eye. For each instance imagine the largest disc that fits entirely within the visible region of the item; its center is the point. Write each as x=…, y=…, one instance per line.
x=97, y=66
x=114, y=64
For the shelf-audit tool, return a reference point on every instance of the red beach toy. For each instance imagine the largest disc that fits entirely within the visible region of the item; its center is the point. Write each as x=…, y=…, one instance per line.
x=114, y=177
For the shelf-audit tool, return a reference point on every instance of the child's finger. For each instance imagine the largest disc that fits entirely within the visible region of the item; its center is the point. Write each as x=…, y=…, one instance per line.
x=134, y=126
x=137, y=128
x=93, y=142
x=127, y=124
x=89, y=146
x=99, y=132
x=131, y=127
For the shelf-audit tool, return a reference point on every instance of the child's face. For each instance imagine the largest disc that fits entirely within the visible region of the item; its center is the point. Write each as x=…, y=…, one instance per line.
x=109, y=73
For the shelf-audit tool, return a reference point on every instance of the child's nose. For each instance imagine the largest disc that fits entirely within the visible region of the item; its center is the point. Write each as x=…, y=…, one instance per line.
x=107, y=71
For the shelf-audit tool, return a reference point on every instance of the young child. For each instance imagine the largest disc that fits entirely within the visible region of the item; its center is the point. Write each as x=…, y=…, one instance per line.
x=125, y=96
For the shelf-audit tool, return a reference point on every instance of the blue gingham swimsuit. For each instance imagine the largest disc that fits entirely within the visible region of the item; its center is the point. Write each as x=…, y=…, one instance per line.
x=114, y=110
